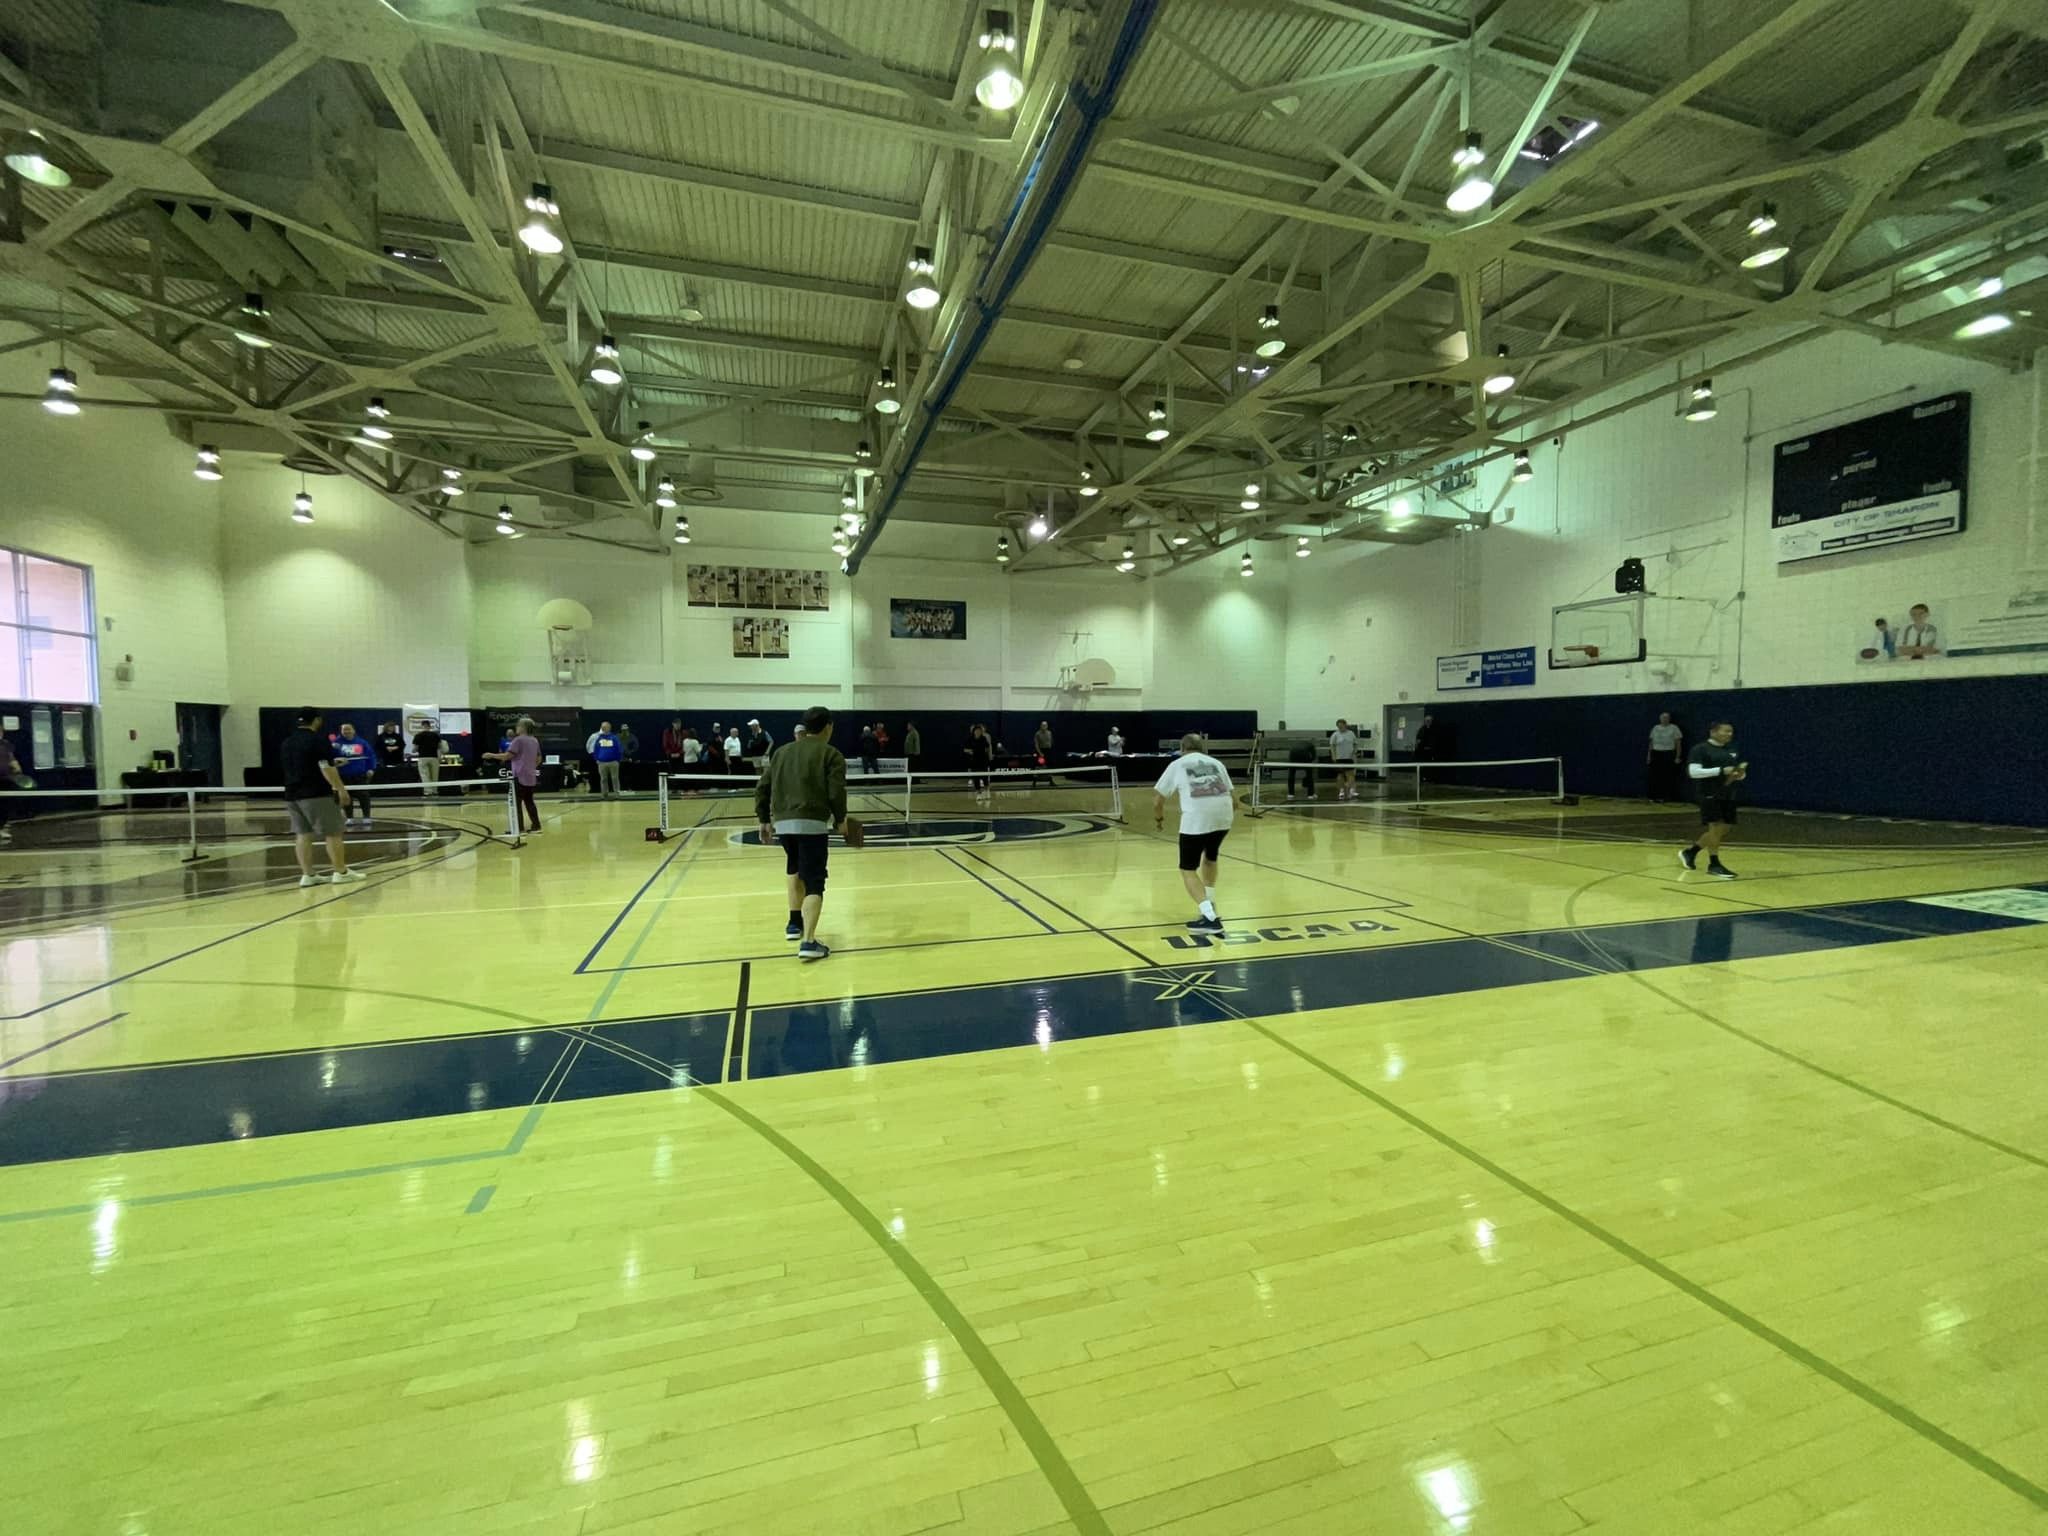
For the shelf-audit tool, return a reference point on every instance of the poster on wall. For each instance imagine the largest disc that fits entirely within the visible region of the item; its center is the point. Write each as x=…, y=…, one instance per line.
x=925, y=618
x=1983, y=625
x=419, y=717
x=761, y=637
x=747, y=586
x=1512, y=668
x=1888, y=479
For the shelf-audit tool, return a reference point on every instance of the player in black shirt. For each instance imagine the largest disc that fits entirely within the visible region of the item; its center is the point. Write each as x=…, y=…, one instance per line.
x=312, y=798
x=1715, y=769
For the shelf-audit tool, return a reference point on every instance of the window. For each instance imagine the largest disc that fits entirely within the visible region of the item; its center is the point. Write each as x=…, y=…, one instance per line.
x=47, y=648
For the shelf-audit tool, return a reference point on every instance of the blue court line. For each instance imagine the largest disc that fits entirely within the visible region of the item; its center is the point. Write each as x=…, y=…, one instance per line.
x=612, y=928
x=51, y=1045
x=88, y=1113
x=199, y=949
x=1004, y=895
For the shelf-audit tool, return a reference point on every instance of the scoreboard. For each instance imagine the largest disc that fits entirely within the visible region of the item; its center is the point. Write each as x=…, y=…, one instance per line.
x=1887, y=479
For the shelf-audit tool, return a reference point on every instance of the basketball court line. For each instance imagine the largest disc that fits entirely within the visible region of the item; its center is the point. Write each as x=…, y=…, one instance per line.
x=613, y=927
x=1975, y=1459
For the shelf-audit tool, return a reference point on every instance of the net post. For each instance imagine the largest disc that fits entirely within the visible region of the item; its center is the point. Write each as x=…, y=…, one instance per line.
x=908, y=785
x=191, y=826
x=511, y=811
x=1560, y=779
x=661, y=801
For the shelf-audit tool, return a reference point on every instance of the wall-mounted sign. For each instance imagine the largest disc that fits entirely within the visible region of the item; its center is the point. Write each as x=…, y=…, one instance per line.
x=926, y=618
x=1513, y=668
x=1887, y=479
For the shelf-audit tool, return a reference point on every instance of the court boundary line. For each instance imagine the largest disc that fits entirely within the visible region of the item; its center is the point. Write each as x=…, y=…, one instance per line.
x=1978, y=1461
x=284, y=917
x=1053, y=1465
x=736, y=1029
x=611, y=928
x=1142, y=959
x=51, y=1045
x=1001, y=895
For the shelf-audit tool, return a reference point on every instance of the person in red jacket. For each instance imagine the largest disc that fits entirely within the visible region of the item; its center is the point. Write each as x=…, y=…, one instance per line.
x=672, y=745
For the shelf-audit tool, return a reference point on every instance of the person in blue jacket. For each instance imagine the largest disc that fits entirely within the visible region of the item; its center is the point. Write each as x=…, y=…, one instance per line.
x=353, y=755
x=606, y=750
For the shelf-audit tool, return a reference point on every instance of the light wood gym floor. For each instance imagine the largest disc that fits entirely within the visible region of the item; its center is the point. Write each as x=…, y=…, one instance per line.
x=1491, y=1175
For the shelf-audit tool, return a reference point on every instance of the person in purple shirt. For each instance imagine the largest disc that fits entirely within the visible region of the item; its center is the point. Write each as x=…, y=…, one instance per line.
x=523, y=754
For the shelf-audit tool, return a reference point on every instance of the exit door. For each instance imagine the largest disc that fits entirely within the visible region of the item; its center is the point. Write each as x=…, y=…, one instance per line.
x=1397, y=740
x=199, y=740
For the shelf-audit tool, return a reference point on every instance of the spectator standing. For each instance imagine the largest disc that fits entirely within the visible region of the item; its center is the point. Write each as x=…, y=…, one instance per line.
x=981, y=751
x=1042, y=742
x=869, y=750
x=426, y=751
x=731, y=748
x=390, y=750
x=629, y=744
x=1116, y=742
x=313, y=792
x=881, y=739
x=1344, y=755
x=523, y=756
x=913, y=745
x=759, y=746
x=11, y=777
x=672, y=744
x=1667, y=744
x=605, y=750
x=689, y=750
x=353, y=755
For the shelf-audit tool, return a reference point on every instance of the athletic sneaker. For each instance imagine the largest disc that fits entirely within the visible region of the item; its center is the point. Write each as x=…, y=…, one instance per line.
x=347, y=874
x=1203, y=924
x=306, y=880
x=1719, y=870
x=793, y=930
x=1689, y=857
x=811, y=949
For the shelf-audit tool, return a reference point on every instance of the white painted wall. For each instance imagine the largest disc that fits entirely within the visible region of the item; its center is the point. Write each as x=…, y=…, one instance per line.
x=368, y=605
x=112, y=489
x=1693, y=500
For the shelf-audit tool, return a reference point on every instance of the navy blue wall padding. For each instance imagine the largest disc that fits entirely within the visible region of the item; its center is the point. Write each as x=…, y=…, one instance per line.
x=1941, y=749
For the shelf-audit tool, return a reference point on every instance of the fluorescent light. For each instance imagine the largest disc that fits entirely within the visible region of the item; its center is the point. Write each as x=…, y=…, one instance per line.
x=862, y=452
x=1125, y=565
x=1522, y=471
x=207, y=466
x=1983, y=325
x=921, y=289
x=1471, y=154
x=542, y=231
x=604, y=362
x=999, y=87
x=451, y=473
x=61, y=397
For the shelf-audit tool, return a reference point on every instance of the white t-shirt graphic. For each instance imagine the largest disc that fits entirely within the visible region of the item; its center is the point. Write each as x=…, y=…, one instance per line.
x=1206, y=799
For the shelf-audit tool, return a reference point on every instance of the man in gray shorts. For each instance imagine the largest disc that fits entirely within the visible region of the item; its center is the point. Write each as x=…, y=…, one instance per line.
x=312, y=798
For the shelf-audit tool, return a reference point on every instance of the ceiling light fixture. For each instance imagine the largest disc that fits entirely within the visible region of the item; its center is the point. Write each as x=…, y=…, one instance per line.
x=665, y=491
x=604, y=362
x=1349, y=435
x=1039, y=528
x=921, y=287
x=885, y=396
x=374, y=415
x=302, y=505
x=1179, y=539
x=998, y=86
x=1002, y=551
x=61, y=397
x=1244, y=564
x=862, y=452
x=207, y=466
x=1401, y=508
x=1301, y=547
x=1769, y=247
x=1702, y=406
x=27, y=157
x=253, y=328
x=643, y=444
x=505, y=524
x=846, y=496
x=542, y=231
x=1269, y=322
x=1088, y=485
x=1251, y=496
x=682, y=529
x=1522, y=473
x=1472, y=190
x=1984, y=325
x=1159, y=431
x=1502, y=379
x=1990, y=288
x=1765, y=221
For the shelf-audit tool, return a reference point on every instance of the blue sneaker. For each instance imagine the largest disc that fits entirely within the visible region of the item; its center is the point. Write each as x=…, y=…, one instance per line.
x=793, y=930
x=811, y=949
x=1206, y=925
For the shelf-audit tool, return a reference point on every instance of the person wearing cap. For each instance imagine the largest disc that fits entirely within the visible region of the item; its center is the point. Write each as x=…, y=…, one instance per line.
x=759, y=745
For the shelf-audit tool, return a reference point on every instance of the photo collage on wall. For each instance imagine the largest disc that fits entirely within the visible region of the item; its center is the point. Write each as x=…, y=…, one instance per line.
x=761, y=637
x=752, y=586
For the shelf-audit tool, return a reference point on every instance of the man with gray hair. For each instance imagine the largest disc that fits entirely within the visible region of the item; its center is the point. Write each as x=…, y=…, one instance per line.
x=1207, y=808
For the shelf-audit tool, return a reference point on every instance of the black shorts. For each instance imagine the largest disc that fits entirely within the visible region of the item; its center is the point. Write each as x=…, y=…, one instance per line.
x=1197, y=846
x=803, y=854
x=1717, y=808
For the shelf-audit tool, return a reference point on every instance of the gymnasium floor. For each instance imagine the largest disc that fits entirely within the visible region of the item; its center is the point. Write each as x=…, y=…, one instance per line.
x=1490, y=1175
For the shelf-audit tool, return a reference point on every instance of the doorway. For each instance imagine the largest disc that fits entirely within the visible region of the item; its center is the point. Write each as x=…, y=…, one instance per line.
x=199, y=740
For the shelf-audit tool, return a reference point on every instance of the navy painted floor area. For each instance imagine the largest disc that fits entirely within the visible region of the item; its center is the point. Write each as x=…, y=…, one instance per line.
x=54, y=1116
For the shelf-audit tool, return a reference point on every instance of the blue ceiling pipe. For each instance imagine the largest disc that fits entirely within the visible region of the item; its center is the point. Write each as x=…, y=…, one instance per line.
x=1041, y=194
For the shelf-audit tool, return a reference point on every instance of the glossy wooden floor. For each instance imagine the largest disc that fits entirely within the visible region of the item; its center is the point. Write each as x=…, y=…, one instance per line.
x=1747, y=1246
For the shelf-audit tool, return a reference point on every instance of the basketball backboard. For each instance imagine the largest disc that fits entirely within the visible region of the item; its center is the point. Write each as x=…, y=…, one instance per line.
x=1603, y=632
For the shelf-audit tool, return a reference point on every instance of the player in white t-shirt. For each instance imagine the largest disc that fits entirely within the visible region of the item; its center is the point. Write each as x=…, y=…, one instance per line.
x=1344, y=753
x=1207, y=808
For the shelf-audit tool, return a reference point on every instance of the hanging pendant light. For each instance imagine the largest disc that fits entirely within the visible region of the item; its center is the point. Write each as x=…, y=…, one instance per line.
x=1402, y=509
x=665, y=492
x=302, y=504
x=1269, y=322
x=998, y=86
x=1472, y=191
x=451, y=482
x=1301, y=547
x=604, y=362
x=1522, y=473
x=1088, y=486
x=252, y=325
x=1179, y=539
x=682, y=534
x=847, y=498
x=60, y=398
x=207, y=465
x=1701, y=406
x=1129, y=561
x=27, y=155
x=1767, y=244
x=374, y=416
x=1039, y=528
x=1984, y=325
x=1250, y=503
x=505, y=523
x=1502, y=379
x=1159, y=431
x=1349, y=436
x=920, y=285
x=1003, y=551
x=643, y=444
x=862, y=452
x=1244, y=564
x=542, y=231
x=885, y=392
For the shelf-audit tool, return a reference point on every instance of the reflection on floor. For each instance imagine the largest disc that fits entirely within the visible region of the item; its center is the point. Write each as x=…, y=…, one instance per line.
x=1488, y=1172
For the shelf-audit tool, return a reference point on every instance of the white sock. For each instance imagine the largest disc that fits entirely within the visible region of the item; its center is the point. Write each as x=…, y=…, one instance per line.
x=1208, y=910
x=1209, y=894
